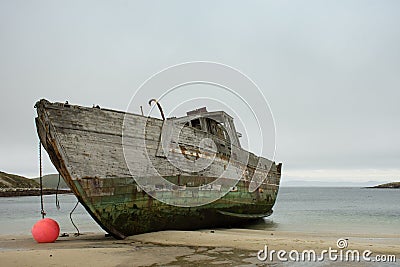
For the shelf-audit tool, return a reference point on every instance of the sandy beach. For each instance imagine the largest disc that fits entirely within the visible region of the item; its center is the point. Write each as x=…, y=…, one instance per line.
x=224, y=247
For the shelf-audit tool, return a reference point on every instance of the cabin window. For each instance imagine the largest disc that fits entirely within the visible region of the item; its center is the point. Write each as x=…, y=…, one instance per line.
x=216, y=128
x=211, y=125
x=196, y=124
x=220, y=131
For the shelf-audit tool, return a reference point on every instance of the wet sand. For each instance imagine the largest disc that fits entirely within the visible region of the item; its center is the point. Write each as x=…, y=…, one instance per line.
x=223, y=247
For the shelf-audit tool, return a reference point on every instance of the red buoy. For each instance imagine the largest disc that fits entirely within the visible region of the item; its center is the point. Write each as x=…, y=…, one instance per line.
x=45, y=231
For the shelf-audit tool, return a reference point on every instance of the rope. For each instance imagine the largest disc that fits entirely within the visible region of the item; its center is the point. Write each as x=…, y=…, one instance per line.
x=70, y=216
x=41, y=181
x=58, y=184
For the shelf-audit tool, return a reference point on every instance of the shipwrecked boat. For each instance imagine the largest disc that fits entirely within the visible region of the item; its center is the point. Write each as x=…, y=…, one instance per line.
x=136, y=174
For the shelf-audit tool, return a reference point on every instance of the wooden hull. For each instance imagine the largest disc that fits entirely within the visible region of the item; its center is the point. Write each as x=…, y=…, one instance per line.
x=86, y=147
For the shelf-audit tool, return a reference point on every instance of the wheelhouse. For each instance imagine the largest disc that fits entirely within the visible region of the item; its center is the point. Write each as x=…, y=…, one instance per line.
x=217, y=123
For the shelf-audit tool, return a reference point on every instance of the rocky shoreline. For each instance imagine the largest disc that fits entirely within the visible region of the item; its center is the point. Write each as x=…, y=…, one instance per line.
x=19, y=192
x=395, y=185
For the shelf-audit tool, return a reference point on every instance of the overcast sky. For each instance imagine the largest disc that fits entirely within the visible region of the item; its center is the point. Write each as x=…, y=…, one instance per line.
x=329, y=69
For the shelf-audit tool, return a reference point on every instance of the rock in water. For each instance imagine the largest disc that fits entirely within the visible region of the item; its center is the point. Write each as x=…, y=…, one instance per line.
x=46, y=231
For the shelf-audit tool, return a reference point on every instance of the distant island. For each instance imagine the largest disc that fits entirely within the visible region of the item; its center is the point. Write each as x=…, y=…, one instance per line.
x=14, y=185
x=395, y=185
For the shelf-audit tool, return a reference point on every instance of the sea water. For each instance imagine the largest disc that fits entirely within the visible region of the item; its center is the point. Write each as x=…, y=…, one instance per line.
x=342, y=210
x=19, y=214
x=336, y=210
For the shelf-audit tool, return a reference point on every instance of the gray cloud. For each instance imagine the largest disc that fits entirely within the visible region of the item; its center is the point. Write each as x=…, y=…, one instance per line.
x=330, y=69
